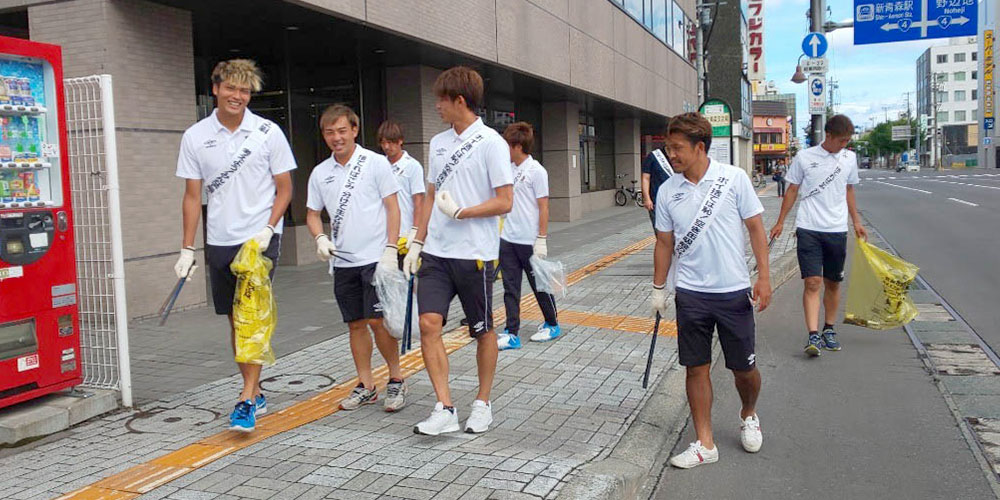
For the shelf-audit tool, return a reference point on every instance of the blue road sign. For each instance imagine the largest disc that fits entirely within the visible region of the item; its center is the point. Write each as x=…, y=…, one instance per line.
x=814, y=45
x=988, y=123
x=882, y=21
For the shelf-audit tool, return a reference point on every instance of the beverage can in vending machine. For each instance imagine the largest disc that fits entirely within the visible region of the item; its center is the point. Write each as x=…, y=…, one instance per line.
x=14, y=90
x=4, y=92
x=26, y=96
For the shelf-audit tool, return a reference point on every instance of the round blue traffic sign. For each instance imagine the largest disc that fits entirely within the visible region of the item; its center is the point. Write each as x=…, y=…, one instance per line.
x=816, y=86
x=814, y=45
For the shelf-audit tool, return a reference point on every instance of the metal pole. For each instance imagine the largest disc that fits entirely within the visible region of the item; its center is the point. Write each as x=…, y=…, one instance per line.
x=700, y=49
x=816, y=10
x=117, y=255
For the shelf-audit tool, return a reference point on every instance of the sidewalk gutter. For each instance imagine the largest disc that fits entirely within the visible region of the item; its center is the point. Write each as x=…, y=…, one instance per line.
x=633, y=466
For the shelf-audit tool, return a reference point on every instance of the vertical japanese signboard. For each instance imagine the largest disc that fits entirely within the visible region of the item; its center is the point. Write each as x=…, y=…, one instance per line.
x=717, y=112
x=988, y=90
x=755, y=27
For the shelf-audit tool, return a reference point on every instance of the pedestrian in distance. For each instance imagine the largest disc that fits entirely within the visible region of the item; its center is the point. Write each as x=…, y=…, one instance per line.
x=410, y=175
x=822, y=178
x=699, y=252
x=779, y=179
x=245, y=163
x=655, y=170
x=358, y=189
x=523, y=236
x=470, y=182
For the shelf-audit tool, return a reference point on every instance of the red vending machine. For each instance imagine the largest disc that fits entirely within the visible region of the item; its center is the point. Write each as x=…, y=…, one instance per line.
x=39, y=333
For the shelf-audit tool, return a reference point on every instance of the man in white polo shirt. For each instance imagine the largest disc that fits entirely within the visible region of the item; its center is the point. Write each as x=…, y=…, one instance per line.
x=826, y=175
x=470, y=183
x=410, y=175
x=358, y=190
x=700, y=214
x=524, y=234
x=245, y=162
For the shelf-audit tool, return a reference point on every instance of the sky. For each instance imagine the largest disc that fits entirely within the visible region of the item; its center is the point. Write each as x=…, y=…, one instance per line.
x=870, y=76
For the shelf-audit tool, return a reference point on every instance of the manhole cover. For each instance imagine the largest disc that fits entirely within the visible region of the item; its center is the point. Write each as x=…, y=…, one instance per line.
x=296, y=383
x=170, y=421
x=961, y=359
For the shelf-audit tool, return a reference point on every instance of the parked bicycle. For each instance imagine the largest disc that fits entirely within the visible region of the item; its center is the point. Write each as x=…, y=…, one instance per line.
x=623, y=193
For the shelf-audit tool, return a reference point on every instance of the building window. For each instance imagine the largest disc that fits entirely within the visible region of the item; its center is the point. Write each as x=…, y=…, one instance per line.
x=959, y=95
x=959, y=115
x=975, y=94
x=678, y=37
x=975, y=74
x=942, y=117
x=942, y=97
x=942, y=77
x=960, y=57
x=959, y=76
x=975, y=56
x=597, y=152
x=975, y=114
x=634, y=8
x=942, y=58
x=660, y=20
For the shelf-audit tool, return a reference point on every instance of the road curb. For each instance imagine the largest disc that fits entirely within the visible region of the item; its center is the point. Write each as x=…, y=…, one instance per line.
x=631, y=469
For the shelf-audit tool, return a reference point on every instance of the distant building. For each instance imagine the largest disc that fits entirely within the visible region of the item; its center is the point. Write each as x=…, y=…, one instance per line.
x=770, y=93
x=771, y=134
x=956, y=116
x=728, y=76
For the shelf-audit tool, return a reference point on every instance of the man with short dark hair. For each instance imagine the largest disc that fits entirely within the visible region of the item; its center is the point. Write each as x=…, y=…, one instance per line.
x=655, y=170
x=470, y=182
x=410, y=174
x=699, y=253
x=828, y=173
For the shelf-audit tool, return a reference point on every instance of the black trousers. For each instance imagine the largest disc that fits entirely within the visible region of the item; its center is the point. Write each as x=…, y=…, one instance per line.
x=514, y=262
x=781, y=187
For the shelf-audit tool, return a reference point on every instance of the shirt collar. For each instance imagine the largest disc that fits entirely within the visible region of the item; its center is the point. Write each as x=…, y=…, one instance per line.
x=402, y=157
x=471, y=129
x=710, y=174
x=527, y=161
x=246, y=125
x=354, y=155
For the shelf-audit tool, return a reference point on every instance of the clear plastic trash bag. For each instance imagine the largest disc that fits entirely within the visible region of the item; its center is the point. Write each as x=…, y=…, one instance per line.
x=390, y=286
x=550, y=276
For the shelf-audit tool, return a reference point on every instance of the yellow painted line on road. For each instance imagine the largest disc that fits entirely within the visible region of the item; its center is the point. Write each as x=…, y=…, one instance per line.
x=607, y=321
x=145, y=477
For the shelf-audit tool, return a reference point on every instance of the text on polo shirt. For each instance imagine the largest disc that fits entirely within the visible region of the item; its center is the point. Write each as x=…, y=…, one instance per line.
x=237, y=163
x=456, y=157
x=705, y=213
x=345, y=195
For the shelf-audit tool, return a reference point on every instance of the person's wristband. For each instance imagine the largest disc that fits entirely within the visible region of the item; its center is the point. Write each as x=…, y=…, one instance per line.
x=394, y=247
x=270, y=227
x=659, y=287
x=189, y=248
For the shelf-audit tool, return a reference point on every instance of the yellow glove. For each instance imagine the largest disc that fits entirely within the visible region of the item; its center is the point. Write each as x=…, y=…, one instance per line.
x=401, y=245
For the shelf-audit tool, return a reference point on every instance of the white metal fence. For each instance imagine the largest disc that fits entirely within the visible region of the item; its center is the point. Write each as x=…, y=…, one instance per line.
x=93, y=164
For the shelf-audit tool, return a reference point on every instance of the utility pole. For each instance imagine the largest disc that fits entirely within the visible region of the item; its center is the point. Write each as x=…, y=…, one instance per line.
x=934, y=159
x=817, y=9
x=910, y=125
x=704, y=18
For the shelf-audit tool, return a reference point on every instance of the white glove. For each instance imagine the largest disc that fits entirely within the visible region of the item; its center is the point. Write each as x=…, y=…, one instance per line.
x=185, y=264
x=541, y=249
x=412, y=235
x=324, y=247
x=658, y=300
x=389, y=260
x=412, y=260
x=447, y=204
x=264, y=237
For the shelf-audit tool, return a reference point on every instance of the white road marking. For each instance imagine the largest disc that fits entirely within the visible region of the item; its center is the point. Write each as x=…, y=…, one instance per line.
x=904, y=187
x=969, y=203
x=965, y=184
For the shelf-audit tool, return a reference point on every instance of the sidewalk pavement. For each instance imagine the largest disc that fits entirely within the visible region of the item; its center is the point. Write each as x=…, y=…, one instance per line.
x=557, y=406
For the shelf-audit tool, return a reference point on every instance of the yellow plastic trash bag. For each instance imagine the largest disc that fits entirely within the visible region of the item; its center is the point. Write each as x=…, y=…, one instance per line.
x=255, y=314
x=877, y=295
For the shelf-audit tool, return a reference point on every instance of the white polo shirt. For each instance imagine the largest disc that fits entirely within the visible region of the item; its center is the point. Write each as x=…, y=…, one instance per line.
x=825, y=211
x=716, y=264
x=241, y=209
x=410, y=175
x=362, y=236
x=531, y=182
x=475, y=175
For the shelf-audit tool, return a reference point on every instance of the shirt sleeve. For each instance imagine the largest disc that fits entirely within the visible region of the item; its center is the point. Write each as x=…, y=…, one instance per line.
x=747, y=201
x=281, y=158
x=647, y=164
x=497, y=157
x=852, y=172
x=314, y=193
x=187, y=160
x=664, y=223
x=416, y=178
x=795, y=173
x=540, y=181
x=384, y=178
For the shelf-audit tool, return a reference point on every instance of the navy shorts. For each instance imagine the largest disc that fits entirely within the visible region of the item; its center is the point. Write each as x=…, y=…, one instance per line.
x=821, y=254
x=440, y=279
x=700, y=314
x=356, y=297
x=222, y=280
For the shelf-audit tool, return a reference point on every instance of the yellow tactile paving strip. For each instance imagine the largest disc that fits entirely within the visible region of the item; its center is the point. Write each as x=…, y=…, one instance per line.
x=145, y=477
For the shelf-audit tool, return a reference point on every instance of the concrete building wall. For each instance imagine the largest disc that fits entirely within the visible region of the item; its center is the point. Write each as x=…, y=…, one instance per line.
x=147, y=49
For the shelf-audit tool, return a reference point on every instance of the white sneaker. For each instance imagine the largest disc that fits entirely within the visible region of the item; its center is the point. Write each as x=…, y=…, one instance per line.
x=439, y=422
x=695, y=455
x=480, y=419
x=750, y=435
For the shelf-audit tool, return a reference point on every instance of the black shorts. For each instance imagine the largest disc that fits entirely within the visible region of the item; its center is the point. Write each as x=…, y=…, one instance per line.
x=440, y=279
x=356, y=297
x=222, y=280
x=699, y=314
x=821, y=254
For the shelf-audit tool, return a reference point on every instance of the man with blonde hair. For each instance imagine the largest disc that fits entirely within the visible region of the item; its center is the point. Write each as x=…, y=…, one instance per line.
x=245, y=163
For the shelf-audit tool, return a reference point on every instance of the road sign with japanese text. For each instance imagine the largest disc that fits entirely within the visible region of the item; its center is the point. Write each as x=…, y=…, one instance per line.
x=882, y=21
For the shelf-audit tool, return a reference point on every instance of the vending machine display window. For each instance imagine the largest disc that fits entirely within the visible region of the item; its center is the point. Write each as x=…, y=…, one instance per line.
x=28, y=129
x=17, y=339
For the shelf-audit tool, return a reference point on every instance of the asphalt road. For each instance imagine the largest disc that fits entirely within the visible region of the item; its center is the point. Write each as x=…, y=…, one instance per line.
x=865, y=422
x=947, y=223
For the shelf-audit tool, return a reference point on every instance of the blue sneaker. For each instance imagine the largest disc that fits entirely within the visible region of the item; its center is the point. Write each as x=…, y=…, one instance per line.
x=243, y=418
x=507, y=341
x=261, y=403
x=812, y=348
x=547, y=332
x=830, y=340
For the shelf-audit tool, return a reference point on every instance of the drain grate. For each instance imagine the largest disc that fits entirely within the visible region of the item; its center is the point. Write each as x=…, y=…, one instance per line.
x=961, y=359
x=933, y=312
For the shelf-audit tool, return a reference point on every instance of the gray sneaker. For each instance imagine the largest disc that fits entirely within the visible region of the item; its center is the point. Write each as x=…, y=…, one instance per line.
x=395, y=393
x=359, y=396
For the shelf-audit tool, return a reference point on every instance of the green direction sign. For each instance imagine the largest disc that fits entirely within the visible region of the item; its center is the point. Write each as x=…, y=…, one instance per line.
x=717, y=113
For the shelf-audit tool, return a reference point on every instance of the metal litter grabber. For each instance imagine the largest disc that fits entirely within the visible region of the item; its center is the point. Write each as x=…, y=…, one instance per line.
x=652, y=347
x=168, y=304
